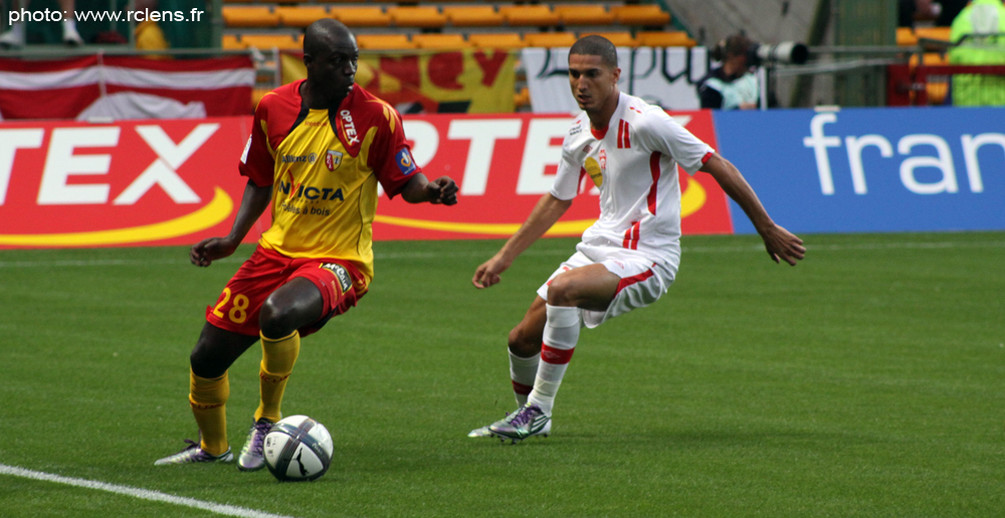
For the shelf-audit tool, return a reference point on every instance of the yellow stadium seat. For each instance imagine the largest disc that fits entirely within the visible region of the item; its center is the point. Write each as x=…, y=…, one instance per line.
x=529, y=15
x=933, y=33
x=618, y=38
x=646, y=15
x=437, y=41
x=389, y=41
x=906, y=37
x=232, y=42
x=361, y=16
x=549, y=39
x=664, y=39
x=472, y=15
x=424, y=16
x=268, y=41
x=583, y=14
x=496, y=40
x=301, y=15
x=249, y=16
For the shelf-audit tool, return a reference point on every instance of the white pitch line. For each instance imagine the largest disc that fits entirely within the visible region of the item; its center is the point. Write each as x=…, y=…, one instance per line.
x=143, y=494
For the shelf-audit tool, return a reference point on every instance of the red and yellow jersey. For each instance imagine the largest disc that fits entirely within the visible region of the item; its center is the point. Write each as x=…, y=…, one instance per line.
x=324, y=166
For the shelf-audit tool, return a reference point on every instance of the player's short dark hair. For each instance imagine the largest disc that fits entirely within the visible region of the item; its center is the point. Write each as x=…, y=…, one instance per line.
x=595, y=45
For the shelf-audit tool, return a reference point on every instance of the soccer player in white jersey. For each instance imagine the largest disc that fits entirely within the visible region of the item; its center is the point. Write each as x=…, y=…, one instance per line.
x=629, y=257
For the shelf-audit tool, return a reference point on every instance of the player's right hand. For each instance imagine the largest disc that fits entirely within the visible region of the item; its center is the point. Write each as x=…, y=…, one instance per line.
x=208, y=250
x=488, y=273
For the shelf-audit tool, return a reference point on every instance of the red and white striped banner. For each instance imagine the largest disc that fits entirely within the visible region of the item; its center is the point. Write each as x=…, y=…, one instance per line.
x=120, y=87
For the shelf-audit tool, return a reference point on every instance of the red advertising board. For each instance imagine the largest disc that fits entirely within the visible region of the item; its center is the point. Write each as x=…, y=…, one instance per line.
x=128, y=183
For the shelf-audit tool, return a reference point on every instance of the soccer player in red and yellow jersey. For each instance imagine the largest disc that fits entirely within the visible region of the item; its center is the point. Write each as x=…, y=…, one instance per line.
x=317, y=150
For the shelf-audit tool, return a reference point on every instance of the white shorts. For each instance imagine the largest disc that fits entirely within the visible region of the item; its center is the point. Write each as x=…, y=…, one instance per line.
x=643, y=281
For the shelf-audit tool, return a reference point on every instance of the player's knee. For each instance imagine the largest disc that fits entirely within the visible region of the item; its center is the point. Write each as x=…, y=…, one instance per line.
x=522, y=343
x=204, y=363
x=562, y=291
x=275, y=320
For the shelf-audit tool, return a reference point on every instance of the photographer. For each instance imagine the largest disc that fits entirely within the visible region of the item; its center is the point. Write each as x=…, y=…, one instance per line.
x=732, y=85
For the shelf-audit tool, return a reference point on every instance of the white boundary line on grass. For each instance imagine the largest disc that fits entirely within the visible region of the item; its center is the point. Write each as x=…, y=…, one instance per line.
x=891, y=245
x=143, y=494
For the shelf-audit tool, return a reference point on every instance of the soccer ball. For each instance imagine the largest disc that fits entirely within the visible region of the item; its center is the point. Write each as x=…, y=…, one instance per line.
x=298, y=448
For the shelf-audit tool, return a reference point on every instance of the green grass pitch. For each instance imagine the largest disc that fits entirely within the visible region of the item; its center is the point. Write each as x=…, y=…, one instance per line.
x=867, y=381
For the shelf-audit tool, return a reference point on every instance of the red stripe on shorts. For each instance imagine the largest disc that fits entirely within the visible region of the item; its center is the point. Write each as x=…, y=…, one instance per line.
x=628, y=281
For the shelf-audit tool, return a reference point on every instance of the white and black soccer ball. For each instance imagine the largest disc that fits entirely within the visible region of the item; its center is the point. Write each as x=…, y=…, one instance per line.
x=298, y=448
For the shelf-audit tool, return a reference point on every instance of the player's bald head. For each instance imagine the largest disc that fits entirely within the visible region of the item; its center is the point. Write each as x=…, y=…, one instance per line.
x=326, y=35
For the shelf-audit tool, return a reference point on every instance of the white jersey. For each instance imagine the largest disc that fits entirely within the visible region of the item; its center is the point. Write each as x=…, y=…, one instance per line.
x=634, y=164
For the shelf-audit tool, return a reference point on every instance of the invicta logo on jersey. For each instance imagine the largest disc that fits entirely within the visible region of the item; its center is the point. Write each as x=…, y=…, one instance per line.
x=301, y=191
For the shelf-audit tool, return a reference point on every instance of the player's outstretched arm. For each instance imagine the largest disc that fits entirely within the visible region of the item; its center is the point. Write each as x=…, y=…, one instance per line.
x=781, y=244
x=545, y=214
x=442, y=190
x=253, y=204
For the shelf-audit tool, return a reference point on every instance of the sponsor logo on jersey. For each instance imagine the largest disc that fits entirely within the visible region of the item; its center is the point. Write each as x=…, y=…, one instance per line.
x=349, y=127
x=344, y=279
x=299, y=159
x=593, y=169
x=333, y=159
x=405, y=162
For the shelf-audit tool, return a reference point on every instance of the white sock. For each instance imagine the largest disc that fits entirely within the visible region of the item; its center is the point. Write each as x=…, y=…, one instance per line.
x=522, y=372
x=561, y=332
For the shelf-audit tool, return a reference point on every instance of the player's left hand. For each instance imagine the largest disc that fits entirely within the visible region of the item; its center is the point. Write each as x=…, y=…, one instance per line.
x=444, y=190
x=783, y=245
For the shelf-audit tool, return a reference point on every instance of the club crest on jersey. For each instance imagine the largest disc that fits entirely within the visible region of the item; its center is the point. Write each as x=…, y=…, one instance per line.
x=333, y=159
x=405, y=162
x=603, y=160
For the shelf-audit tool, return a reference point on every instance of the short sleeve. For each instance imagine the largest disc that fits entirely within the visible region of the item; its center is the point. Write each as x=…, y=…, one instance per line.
x=257, y=161
x=660, y=132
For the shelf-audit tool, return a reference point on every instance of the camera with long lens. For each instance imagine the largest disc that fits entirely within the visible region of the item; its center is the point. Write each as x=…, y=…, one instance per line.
x=758, y=53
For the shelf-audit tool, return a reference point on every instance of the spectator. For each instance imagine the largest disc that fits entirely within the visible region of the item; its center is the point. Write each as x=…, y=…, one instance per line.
x=15, y=37
x=979, y=35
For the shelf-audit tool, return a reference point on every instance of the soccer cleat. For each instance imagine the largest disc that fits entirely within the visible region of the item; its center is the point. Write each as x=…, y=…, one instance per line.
x=13, y=38
x=528, y=422
x=252, y=458
x=194, y=453
x=485, y=430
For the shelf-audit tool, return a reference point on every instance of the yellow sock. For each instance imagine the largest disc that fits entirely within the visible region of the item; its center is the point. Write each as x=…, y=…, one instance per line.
x=278, y=358
x=208, y=398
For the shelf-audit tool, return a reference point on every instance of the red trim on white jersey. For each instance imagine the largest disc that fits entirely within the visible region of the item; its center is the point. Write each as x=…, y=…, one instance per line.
x=624, y=141
x=632, y=236
x=707, y=156
x=654, y=170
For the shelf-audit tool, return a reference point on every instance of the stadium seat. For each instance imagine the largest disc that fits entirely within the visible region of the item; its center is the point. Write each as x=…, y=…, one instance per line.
x=437, y=41
x=644, y=15
x=302, y=15
x=529, y=15
x=618, y=38
x=496, y=40
x=423, y=16
x=387, y=41
x=472, y=15
x=232, y=42
x=268, y=41
x=549, y=39
x=249, y=16
x=583, y=14
x=933, y=33
x=664, y=39
x=361, y=16
x=906, y=37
